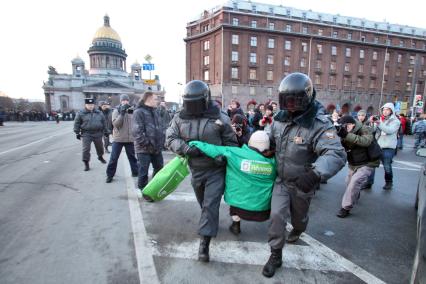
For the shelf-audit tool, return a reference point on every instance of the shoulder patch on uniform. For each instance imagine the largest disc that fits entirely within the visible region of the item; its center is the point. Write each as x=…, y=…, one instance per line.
x=324, y=118
x=218, y=122
x=330, y=134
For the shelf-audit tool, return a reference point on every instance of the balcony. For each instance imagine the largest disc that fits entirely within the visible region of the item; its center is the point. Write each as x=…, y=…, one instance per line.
x=318, y=70
x=373, y=75
x=333, y=71
x=360, y=74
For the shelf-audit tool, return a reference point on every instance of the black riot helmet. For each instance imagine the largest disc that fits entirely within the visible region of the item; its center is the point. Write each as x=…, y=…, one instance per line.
x=196, y=97
x=296, y=92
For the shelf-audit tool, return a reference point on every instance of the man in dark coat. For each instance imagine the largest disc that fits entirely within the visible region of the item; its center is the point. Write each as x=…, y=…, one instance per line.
x=90, y=125
x=148, y=137
x=164, y=117
x=202, y=120
x=105, y=108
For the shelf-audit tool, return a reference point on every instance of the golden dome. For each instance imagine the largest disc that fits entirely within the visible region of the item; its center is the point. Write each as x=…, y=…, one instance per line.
x=106, y=31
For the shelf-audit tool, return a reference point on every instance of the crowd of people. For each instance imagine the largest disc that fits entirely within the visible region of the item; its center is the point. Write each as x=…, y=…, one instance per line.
x=266, y=162
x=22, y=116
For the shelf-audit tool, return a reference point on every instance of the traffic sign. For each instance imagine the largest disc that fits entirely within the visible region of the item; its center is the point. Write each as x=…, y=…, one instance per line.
x=148, y=66
x=149, y=81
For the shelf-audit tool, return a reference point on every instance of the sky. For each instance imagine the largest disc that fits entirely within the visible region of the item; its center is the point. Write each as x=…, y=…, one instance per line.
x=36, y=34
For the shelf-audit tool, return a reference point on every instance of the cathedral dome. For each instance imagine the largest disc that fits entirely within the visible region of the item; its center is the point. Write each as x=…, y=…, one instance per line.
x=106, y=32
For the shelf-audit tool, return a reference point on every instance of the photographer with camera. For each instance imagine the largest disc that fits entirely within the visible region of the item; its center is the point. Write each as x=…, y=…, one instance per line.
x=356, y=138
x=122, y=137
x=266, y=122
x=241, y=129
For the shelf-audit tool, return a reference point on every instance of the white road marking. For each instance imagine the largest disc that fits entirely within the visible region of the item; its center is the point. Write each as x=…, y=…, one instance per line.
x=144, y=259
x=405, y=169
x=32, y=143
x=318, y=256
x=410, y=164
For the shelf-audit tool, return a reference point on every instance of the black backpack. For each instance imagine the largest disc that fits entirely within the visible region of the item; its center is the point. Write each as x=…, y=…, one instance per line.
x=374, y=151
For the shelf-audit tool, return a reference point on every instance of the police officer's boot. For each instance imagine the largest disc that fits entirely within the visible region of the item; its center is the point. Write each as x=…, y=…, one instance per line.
x=275, y=261
x=86, y=166
x=235, y=228
x=203, y=252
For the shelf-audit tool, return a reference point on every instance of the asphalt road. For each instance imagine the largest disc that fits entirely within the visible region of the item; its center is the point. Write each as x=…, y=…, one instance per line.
x=59, y=224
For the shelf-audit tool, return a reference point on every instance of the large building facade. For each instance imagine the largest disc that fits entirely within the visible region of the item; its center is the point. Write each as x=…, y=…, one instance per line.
x=243, y=50
x=106, y=79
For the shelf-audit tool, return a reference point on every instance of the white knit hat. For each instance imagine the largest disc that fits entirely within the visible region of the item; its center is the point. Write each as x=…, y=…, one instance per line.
x=259, y=140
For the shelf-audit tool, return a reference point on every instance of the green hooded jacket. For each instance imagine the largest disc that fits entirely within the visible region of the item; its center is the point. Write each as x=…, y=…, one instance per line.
x=249, y=178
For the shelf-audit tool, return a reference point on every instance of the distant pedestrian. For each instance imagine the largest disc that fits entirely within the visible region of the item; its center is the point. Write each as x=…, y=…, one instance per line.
x=164, y=118
x=90, y=126
x=105, y=108
x=419, y=131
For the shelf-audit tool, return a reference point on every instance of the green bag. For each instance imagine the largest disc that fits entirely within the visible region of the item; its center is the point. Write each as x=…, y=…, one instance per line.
x=166, y=180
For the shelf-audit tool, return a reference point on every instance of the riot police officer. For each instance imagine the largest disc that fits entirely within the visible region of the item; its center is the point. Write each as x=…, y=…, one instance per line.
x=202, y=120
x=90, y=125
x=307, y=149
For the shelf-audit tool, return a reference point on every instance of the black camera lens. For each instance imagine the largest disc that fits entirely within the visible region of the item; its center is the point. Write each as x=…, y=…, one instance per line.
x=238, y=128
x=130, y=111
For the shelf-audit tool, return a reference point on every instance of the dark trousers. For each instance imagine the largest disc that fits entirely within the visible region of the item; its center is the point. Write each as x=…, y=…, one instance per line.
x=115, y=154
x=387, y=158
x=144, y=160
x=106, y=143
x=87, y=141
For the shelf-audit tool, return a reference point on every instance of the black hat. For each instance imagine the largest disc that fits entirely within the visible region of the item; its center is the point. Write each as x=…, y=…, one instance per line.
x=88, y=101
x=347, y=119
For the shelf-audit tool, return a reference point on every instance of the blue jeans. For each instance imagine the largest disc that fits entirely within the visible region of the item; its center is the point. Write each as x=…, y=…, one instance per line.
x=144, y=160
x=115, y=154
x=400, y=141
x=387, y=156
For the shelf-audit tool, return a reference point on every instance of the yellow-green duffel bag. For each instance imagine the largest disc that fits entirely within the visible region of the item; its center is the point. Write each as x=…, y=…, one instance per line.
x=166, y=180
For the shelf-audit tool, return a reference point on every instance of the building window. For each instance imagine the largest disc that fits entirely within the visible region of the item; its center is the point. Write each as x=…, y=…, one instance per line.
x=387, y=56
x=319, y=48
x=234, y=73
x=206, y=60
x=399, y=59
x=376, y=39
x=347, y=67
x=252, y=74
x=271, y=43
x=318, y=64
x=305, y=30
x=386, y=70
x=270, y=59
x=288, y=28
x=287, y=45
x=413, y=44
x=304, y=47
x=333, y=80
x=412, y=59
x=269, y=75
x=206, y=75
x=317, y=79
x=333, y=65
x=302, y=62
x=374, y=55
x=423, y=60
x=361, y=54
x=388, y=41
x=235, y=21
x=401, y=43
x=253, y=41
x=361, y=68
x=207, y=45
x=349, y=36
x=373, y=69
x=234, y=56
x=234, y=90
x=398, y=72
x=320, y=32
x=254, y=24
x=235, y=39
x=362, y=38
x=359, y=83
x=372, y=83
x=408, y=86
x=269, y=91
x=287, y=61
x=348, y=52
x=346, y=81
x=252, y=91
x=335, y=34
x=271, y=26
x=410, y=72
x=253, y=58
x=333, y=50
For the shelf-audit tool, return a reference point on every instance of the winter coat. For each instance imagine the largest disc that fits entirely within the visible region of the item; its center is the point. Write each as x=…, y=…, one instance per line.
x=122, y=131
x=419, y=127
x=387, y=129
x=90, y=123
x=108, y=119
x=164, y=118
x=213, y=127
x=146, y=130
x=249, y=177
x=356, y=146
x=245, y=137
x=232, y=112
x=256, y=119
x=308, y=140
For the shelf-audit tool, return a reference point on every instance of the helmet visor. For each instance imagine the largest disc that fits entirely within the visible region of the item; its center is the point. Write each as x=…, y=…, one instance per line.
x=293, y=101
x=195, y=107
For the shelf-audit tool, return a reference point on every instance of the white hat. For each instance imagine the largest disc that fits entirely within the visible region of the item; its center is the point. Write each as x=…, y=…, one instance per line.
x=259, y=140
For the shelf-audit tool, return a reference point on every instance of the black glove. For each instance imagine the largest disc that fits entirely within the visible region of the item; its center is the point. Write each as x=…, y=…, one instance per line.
x=342, y=132
x=78, y=136
x=123, y=109
x=220, y=161
x=308, y=181
x=106, y=135
x=193, y=152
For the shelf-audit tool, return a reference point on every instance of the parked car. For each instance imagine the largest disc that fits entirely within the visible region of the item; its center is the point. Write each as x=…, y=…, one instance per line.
x=419, y=267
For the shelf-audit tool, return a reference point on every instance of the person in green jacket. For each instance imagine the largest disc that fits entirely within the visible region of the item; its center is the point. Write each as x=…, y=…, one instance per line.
x=250, y=176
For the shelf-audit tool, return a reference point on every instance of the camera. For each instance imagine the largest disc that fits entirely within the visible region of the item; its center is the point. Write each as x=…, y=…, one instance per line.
x=238, y=127
x=375, y=118
x=130, y=110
